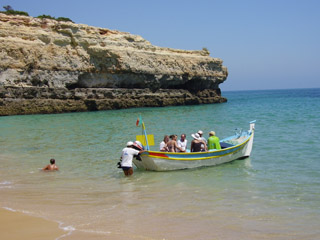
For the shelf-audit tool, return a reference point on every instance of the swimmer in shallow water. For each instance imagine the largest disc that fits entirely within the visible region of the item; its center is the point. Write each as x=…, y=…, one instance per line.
x=52, y=166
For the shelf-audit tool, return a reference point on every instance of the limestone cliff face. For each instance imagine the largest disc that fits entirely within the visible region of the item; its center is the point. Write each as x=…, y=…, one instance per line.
x=38, y=57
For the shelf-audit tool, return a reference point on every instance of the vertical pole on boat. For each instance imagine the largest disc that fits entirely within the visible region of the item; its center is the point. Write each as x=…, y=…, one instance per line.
x=252, y=123
x=145, y=134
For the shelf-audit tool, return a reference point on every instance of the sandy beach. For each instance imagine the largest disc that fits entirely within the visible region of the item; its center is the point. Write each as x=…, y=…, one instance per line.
x=16, y=226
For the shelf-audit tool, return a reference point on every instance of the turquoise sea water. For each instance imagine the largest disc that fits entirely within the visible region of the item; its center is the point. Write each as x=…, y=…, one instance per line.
x=274, y=194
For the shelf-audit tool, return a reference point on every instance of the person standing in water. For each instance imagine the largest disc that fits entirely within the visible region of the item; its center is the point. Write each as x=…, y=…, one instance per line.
x=52, y=166
x=126, y=158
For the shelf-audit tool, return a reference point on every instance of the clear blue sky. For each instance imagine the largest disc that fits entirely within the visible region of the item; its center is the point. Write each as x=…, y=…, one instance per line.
x=266, y=44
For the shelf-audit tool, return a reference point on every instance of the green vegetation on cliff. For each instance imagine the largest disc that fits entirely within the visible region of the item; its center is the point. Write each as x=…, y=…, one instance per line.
x=11, y=11
x=64, y=19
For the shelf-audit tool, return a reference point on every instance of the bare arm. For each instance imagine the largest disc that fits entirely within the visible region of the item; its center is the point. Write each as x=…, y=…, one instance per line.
x=46, y=168
x=164, y=149
x=205, y=145
x=176, y=146
x=191, y=147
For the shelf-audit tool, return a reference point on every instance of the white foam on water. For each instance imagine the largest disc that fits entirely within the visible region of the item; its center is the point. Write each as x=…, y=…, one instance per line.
x=96, y=231
x=5, y=183
x=68, y=229
x=28, y=213
x=9, y=209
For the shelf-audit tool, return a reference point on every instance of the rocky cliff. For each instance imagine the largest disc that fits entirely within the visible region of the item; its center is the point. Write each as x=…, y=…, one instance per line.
x=48, y=66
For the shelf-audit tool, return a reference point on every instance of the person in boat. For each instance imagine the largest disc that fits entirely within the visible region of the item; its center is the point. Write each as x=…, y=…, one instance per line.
x=52, y=166
x=182, y=142
x=163, y=144
x=202, y=137
x=213, y=141
x=127, y=156
x=173, y=145
x=197, y=144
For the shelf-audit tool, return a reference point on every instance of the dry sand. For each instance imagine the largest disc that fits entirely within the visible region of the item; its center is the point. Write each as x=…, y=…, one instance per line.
x=16, y=226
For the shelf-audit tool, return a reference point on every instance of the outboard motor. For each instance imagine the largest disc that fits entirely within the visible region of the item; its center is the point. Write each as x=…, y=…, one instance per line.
x=138, y=146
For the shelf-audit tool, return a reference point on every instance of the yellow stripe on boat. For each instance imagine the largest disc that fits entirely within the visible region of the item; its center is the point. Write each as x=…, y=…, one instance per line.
x=240, y=146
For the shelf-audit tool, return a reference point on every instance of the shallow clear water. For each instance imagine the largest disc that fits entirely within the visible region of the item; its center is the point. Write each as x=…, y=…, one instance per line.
x=274, y=194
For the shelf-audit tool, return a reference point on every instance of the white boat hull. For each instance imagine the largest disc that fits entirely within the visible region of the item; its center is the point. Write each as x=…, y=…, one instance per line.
x=167, y=161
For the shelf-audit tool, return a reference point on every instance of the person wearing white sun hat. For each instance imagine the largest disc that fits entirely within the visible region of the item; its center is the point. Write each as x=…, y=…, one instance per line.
x=126, y=158
x=197, y=144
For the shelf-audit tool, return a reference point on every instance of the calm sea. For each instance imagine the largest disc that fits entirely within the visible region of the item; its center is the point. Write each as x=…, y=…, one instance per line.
x=274, y=194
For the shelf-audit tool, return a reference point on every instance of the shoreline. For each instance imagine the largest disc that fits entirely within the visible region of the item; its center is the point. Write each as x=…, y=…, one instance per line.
x=15, y=225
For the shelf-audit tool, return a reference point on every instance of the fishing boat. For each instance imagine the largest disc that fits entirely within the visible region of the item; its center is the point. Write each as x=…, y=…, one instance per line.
x=238, y=146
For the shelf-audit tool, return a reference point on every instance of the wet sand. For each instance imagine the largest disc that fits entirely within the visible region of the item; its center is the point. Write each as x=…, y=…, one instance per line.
x=16, y=226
